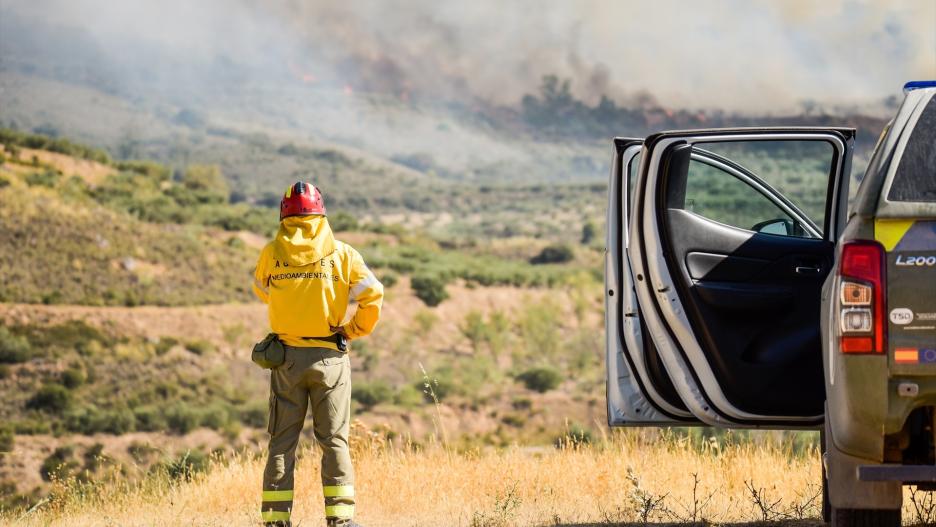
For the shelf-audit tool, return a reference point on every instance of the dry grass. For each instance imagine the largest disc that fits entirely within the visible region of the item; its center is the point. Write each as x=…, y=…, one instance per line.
x=634, y=477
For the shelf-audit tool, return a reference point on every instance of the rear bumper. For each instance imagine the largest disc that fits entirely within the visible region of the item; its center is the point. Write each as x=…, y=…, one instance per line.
x=905, y=474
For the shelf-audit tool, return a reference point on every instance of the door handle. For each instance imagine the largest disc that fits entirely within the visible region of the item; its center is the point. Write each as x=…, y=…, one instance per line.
x=807, y=270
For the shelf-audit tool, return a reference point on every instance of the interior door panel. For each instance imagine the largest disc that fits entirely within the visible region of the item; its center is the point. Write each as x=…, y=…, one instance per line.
x=749, y=303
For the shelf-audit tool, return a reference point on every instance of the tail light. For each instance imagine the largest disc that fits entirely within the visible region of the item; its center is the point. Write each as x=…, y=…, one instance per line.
x=861, y=298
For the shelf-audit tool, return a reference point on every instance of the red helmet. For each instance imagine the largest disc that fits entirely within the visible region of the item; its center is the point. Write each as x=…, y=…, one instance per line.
x=301, y=199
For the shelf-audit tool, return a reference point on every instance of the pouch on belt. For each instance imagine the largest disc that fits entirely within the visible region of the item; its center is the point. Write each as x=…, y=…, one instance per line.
x=269, y=352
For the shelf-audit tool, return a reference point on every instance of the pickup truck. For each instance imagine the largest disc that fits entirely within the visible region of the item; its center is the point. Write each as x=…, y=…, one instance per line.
x=744, y=289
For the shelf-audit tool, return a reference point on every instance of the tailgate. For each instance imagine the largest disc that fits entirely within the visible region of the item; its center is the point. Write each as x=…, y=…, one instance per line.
x=911, y=293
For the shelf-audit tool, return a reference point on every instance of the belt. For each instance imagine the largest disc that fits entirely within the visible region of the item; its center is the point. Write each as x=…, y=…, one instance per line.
x=339, y=340
x=334, y=339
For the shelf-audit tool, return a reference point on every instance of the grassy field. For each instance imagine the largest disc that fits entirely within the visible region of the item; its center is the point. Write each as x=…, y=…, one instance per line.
x=629, y=478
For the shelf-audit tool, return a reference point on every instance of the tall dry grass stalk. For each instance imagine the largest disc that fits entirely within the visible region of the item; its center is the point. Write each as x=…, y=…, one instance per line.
x=629, y=477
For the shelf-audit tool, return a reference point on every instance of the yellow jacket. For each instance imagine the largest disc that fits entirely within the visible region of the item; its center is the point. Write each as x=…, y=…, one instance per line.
x=307, y=278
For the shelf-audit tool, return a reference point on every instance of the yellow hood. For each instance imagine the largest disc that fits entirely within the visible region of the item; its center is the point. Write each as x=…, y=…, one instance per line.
x=303, y=240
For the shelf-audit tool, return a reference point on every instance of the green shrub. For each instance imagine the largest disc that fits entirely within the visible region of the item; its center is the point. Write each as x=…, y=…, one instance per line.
x=73, y=378
x=215, y=416
x=554, y=254
x=50, y=398
x=164, y=344
x=430, y=289
x=60, y=464
x=199, y=347
x=539, y=326
x=182, y=418
x=90, y=419
x=589, y=231
x=541, y=379
x=254, y=413
x=439, y=384
x=149, y=419
x=7, y=439
x=206, y=183
x=342, y=222
x=13, y=348
x=372, y=394
x=4, y=182
x=142, y=453
x=575, y=436
x=31, y=426
x=5, y=371
x=389, y=279
x=187, y=465
x=425, y=320
x=48, y=178
x=493, y=332
x=409, y=396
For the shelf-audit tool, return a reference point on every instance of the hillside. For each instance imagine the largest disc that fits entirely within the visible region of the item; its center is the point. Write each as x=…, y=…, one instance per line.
x=131, y=343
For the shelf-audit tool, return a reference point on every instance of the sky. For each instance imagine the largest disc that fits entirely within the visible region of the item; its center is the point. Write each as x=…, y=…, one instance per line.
x=749, y=56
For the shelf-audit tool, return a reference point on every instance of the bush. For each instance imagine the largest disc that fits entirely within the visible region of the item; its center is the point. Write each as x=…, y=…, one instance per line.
x=372, y=394
x=13, y=348
x=7, y=439
x=430, y=289
x=48, y=178
x=439, y=383
x=73, y=378
x=164, y=344
x=389, y=279
x=254, y=413
x=149, y=419
x=187, y=465
x=59, y=465
x=182, y=419
x=541, y=379
x=199, y=347
x=342, y=222
x=588, y=232
x=575, y=436
x=92, y=420
x=215, y=416
x=51, y=398
x=206, y=183
x=554, y=254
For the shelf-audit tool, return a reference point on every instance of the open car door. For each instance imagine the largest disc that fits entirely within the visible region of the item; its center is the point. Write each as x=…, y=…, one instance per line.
x=732, y=236
x=639, y=391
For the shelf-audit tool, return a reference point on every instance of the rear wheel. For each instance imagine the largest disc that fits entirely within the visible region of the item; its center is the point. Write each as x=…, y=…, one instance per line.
x=865, y=518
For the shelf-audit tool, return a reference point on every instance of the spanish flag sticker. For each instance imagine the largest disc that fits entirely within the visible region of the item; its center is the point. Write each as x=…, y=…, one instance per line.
x=906, y=355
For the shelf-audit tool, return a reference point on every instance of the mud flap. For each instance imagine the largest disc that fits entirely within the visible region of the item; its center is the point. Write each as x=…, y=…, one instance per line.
x=846, y=491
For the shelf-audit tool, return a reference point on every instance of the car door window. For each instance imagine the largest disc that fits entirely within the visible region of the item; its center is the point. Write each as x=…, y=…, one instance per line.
x=797, y=170
x=719, y=195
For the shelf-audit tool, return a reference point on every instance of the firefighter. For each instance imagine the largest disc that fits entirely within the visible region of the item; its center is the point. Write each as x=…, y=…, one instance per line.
x=307, y=278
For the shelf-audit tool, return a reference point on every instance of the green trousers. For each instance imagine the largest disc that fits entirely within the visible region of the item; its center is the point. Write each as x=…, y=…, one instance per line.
x=319, y=378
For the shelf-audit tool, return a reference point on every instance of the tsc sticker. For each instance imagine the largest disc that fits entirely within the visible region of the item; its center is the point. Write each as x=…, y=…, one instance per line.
x=901, y=316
